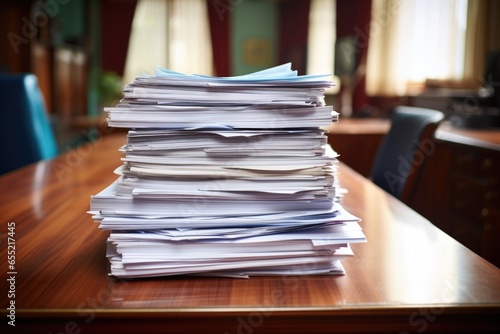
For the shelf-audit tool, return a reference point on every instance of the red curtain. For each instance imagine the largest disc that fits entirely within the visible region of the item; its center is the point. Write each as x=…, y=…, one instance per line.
x=293, y=27
x=219, y=13
x=353, y=18
x=116, y=24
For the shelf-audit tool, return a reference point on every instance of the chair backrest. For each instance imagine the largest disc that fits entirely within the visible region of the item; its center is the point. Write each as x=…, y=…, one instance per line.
x=26, y=135
x=404, y=149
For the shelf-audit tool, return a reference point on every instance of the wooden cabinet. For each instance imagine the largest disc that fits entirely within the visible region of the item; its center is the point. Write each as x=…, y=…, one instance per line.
x=357, y=141
x=41, y=66
x=459, y=186
x=474, y=189
x=62, y=72
x=70, y=82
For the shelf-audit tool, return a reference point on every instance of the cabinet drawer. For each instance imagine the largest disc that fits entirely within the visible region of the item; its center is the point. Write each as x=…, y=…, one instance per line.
x=491, y=245
x=476, y=162
x=471, y=236
x=472, y=197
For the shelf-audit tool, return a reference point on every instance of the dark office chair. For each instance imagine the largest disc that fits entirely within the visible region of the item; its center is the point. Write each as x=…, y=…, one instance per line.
x=25, y=132
x=404, y=149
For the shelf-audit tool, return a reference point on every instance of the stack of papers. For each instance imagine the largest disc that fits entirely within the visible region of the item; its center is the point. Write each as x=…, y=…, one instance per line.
x=225, y=177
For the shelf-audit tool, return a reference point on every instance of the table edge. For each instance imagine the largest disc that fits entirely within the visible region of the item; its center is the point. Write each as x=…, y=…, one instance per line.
x=340, y=310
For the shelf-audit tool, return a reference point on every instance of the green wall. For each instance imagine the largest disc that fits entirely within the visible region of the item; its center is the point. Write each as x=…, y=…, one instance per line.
x=72, y=21
x=256, y=20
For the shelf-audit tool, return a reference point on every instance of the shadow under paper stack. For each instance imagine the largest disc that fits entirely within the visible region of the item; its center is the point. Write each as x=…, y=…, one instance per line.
x=225, y=177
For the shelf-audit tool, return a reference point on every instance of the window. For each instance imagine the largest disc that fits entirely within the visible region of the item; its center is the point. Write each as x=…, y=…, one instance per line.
x=174, y=34
x=412, y=41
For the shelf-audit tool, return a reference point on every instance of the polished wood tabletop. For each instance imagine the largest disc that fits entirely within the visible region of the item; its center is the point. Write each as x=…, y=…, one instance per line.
x=488, y=138
x=359, y=126
x=409, y=277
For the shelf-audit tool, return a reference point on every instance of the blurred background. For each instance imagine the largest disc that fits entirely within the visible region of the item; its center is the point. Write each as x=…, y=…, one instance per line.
x=442, y=55
x=382, y=52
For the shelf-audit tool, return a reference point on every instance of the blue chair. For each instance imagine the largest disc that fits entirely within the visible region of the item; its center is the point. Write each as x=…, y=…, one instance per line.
x=26, y=135
x=409, y=142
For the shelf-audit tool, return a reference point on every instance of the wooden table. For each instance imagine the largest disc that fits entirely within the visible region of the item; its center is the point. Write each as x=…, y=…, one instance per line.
x=481, y=138
x=357, y=141
x=409, y=277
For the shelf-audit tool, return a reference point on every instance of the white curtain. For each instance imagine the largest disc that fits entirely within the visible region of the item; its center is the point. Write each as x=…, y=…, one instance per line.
x=174, y=34
x=414, y=40
x=148, y=43
x=189, y=37
x=321, y=37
